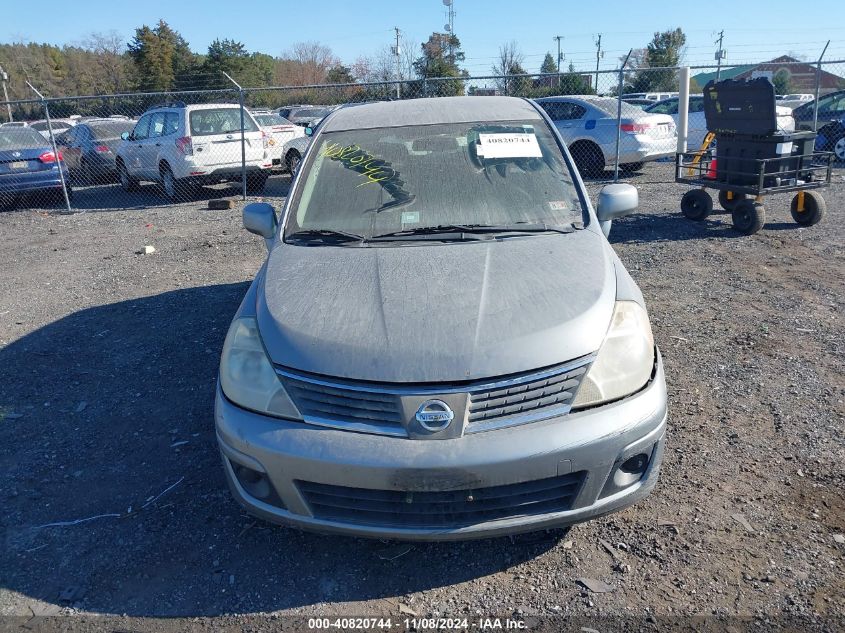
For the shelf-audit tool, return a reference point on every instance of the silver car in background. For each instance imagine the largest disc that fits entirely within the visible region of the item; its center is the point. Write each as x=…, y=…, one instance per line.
x=279, y=132
x=441, y=344
x=588, y=127
x=309, y=116
x=294, y=150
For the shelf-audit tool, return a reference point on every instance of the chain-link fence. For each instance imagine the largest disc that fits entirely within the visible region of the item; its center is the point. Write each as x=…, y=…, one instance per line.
x=152, y=149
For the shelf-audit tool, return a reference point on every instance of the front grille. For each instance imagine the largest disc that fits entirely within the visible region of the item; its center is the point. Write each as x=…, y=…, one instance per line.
x=440, y=509
x=362, y=410
x=550, y=395
x=377, y=407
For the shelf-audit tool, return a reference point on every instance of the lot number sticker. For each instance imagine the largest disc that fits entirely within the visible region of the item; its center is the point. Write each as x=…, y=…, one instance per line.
x=514, y=145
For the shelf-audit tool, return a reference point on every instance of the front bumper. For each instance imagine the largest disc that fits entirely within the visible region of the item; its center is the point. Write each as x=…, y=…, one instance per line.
x=593, y=443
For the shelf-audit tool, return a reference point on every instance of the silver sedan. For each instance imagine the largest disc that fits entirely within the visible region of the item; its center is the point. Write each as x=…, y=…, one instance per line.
x=588, y=127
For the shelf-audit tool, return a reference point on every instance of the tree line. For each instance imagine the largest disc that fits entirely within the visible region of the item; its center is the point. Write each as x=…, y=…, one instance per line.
x=159, y=59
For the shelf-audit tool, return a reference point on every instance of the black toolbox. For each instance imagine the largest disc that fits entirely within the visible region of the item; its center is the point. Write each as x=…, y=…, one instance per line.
x=737, y=106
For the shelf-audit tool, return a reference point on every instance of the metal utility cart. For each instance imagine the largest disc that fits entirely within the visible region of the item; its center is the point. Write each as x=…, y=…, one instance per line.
x=751, y=158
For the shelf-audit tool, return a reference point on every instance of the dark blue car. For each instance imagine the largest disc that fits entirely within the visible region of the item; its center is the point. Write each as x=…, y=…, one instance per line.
x=28, y=166
x=831, y=138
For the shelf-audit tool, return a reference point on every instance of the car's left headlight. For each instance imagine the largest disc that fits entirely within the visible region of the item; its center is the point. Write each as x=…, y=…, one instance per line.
x=247, y=376
x=625, y=359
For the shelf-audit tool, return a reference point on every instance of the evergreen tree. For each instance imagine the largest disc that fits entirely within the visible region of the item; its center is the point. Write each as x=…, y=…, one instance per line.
x=339, y=74
x=163, y=61
x=665, y=49
x=548, y=65
x=441, y=54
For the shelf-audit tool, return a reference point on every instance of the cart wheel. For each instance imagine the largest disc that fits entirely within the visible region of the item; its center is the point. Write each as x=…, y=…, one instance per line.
x=814, y=209
x=696, y=204
x=730, y=205
x=749, y=216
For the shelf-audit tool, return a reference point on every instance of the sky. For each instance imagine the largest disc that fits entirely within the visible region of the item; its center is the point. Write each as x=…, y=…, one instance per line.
x=753, y=30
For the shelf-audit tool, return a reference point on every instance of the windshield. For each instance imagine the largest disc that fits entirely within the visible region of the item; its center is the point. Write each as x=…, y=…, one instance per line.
x=608, y=106
x=270, y=119
x=309, y=113
x=219, y=121
x=372, y=182
x=110, y=129
x=21, y=138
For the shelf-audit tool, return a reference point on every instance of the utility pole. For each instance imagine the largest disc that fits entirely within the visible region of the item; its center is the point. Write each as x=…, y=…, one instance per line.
x=599, y=55
x=397, y=52
x=450, y=26
x=720, y=55
x=4, y=78
x=559, y=57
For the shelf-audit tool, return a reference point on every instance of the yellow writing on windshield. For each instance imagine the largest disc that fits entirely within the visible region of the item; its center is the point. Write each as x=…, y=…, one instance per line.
x=373, y=169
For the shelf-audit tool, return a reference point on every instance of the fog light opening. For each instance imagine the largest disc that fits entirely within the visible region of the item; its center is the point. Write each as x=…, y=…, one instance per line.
x=635, y=465
x=256, y=484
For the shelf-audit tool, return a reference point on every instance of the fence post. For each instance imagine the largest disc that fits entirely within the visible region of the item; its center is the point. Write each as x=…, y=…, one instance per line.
x=53, y=145
x=683, y=109
x=818, y=86
x=243, y=135
x=619, y=114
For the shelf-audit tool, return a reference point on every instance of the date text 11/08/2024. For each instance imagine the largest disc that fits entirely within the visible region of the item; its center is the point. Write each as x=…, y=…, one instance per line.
x=417, y=624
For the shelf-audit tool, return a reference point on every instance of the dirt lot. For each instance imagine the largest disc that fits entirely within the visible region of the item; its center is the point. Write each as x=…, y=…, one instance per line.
x=114, y=499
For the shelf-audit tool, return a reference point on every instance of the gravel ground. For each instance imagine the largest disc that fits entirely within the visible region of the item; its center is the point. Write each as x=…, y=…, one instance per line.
x=114, y=500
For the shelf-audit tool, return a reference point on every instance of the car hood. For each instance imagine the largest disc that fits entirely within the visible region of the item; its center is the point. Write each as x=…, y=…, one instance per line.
x=436, y=312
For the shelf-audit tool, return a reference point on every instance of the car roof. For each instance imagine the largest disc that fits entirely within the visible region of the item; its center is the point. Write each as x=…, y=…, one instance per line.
x=429, y=111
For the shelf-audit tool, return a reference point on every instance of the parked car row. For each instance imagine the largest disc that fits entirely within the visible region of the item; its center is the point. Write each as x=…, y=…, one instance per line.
x=182, y=147
x=178, y=146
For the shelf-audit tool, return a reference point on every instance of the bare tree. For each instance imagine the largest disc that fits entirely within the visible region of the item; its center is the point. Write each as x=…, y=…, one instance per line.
x=509, y=62
x=112, y=71
x=382, y=65
x=309, y=62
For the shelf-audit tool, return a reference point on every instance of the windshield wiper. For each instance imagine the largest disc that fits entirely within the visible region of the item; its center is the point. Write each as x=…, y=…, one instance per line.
x=474, y=229
x=326, y=236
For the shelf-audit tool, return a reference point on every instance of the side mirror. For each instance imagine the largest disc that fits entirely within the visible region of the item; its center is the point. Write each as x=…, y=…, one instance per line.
x=616, y=201
x=260, y=218
x=125, y=136
x=309, y=131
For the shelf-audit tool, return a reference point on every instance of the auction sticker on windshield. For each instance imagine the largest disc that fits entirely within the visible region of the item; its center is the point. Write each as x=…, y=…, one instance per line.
x=516, y=145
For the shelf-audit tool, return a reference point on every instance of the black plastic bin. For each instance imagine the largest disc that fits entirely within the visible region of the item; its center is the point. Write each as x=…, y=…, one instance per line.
x=738, y=156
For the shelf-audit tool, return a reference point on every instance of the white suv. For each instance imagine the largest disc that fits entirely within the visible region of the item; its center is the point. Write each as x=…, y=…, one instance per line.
x=184, y=146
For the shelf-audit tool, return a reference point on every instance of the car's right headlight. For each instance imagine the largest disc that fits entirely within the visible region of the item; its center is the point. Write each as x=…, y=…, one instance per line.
x=247, y=376
x=625, y=359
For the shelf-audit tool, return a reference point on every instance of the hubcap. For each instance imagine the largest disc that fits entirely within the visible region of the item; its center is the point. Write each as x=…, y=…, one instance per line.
x=839, y=149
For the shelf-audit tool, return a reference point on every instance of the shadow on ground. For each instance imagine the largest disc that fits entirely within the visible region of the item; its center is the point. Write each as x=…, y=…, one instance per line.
x=110, y=197
x=109, y=407
x=651, y=227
